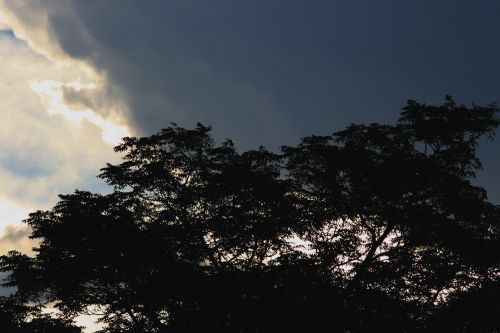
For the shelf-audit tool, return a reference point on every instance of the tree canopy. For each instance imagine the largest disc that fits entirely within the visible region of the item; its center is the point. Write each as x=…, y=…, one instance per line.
x=375, y=228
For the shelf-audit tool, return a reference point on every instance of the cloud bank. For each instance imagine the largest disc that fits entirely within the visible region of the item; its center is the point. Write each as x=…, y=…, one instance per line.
x=42, y=152
x=281, y=69
x=47, y=145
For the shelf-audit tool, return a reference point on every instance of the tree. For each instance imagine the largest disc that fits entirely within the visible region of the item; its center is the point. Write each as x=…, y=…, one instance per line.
x=20, y=318
x=374, y=228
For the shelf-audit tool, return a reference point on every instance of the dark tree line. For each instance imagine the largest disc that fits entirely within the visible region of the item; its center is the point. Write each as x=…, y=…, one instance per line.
x=376, y=228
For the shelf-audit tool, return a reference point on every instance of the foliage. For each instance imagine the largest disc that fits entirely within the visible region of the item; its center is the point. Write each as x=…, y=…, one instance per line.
x=374, y=228
x=20, y=318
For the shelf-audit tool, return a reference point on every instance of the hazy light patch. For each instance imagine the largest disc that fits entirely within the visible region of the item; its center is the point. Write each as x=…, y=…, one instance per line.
x=4, y=23
x=43, y=155
x=47, y=144
x=11, y=213
x=89, y=322
x=16, y=238
x=51, y=93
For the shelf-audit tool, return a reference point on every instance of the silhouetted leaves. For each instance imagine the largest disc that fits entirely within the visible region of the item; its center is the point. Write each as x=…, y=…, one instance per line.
x=376, y=228
x=19, y=318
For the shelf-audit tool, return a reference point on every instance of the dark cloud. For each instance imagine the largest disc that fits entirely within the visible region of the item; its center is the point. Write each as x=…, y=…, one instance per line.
x=269, y=71
x=284, y=68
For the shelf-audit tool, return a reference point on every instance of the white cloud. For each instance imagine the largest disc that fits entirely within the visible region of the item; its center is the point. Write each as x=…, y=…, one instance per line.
x=30, y=22
x=57, y=127
x=47, y=147
x=11, y=213
x=4, y=25
x=52, y=94
x=15, y=237
x=41, y=152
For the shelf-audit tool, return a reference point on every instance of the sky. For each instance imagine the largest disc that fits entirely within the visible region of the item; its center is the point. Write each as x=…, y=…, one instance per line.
x=77, y=75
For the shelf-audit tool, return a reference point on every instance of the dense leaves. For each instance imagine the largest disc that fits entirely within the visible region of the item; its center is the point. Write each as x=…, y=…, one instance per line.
x=374, y=228
x=19, y=318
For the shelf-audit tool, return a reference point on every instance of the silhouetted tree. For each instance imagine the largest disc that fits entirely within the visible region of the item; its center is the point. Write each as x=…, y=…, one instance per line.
x=376, y=228
x=474, y=310
x=21, y=318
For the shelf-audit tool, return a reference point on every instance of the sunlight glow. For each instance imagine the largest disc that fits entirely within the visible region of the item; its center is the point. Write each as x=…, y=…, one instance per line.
x=51, y=93
x=11, y=213
x=4, y=23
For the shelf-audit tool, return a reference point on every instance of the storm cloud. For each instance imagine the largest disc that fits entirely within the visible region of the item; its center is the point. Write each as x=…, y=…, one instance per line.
x=269, y=72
